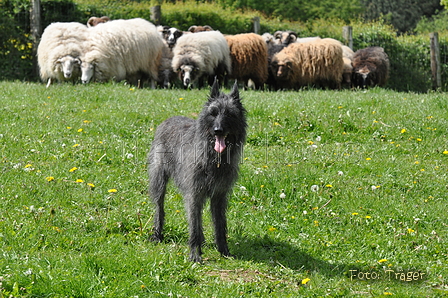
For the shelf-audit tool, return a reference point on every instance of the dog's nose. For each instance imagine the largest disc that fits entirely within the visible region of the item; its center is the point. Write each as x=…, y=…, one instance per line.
x=218, y=130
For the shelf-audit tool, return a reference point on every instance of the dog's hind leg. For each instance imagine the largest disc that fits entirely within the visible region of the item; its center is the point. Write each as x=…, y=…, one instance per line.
x=218, y=206
x=158, y=182
x=194, y=206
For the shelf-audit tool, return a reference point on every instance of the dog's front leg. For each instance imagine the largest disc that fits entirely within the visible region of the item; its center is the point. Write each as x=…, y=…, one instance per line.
x=218, y=206
x=194, y=206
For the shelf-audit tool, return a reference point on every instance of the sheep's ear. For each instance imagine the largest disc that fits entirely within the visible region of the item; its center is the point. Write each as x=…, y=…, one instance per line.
x=59, y=61
x=77, y=61
x=192, y=28
x=215, y=90
x=235, y=93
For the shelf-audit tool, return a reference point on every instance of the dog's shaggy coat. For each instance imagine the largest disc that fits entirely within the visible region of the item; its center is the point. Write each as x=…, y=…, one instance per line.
x=202, y=156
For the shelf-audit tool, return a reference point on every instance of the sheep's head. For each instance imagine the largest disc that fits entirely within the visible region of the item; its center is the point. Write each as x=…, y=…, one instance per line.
x=68, y=64
x=171, y=35
x=87, y=71
x=285, y=37
x=188, y=74
x=281, y=69
x=196, y=29
x=362, y=77
x=93, y=21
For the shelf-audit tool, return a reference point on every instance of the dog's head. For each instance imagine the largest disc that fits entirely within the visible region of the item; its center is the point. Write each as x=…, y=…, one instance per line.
x=223, y=118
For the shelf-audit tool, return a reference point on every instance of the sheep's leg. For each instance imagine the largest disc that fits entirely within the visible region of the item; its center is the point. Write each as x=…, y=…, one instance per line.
x=49, y=83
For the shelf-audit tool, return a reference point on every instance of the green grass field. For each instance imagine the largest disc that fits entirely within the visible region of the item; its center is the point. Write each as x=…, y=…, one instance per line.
x=341, y=193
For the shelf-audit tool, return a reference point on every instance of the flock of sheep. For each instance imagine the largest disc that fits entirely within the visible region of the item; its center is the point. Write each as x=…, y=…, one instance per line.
x=137, y=51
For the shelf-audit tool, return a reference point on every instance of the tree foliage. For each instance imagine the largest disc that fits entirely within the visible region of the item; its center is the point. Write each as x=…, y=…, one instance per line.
x=402, y=14
x=300, y=10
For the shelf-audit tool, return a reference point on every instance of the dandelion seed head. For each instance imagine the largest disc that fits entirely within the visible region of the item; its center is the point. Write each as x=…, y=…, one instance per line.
x=315, y=188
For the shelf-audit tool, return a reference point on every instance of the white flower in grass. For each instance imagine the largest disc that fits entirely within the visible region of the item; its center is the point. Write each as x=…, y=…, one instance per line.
x=340, y=173
x=282, y=195
x=374, y=187
x=318, y=138
x=315, y=188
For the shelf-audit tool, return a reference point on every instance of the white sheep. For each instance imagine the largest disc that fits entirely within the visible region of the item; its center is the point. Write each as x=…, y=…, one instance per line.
x=122, y=49
x=201, y=55
x=59, y=50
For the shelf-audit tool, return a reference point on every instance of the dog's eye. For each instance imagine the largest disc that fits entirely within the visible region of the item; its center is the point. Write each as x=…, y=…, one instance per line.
x=214, y=111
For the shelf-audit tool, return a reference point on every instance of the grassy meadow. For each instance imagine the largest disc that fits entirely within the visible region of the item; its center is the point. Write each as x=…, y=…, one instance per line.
x=341, y=193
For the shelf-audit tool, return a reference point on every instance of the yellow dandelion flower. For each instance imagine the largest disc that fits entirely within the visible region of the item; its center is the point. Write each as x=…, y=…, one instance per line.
x=329, y=185
x=181, y=98
x=305, y=281
x=112, y=190
x=50, y=178
x=417, y=162
x=79, y=130
x=368, y=158
x=403, y=130
x=271, y=229
x=445, y=152
x=91, y=185
x=261, y=186
x=368, y=216
x=310, y=142
x=87, y=121
x=276, y=124
x=79, y=181
x=69, y=127
x=76, y=145
x=410, y=231
x=28, y=166
x=382, y=261
x=355, y=213
x=73, y=169
x=419, y=140
x=387, y=293
x=315, y=208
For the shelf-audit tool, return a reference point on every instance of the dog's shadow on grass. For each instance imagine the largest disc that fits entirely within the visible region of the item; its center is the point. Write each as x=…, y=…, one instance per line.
x=281, y=253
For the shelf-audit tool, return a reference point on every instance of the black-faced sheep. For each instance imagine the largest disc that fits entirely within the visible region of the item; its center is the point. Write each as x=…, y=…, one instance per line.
x=201, y=55
x=272, y=50
x=171, y=35
x=59, y=50
x=166, y=73
x=317, y=63
x=196, y=29
x=249, y=54
x=122, y=49
x=370, y=67
x=93, y=21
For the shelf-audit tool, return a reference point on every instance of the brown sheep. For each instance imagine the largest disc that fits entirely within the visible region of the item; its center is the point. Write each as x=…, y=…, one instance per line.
x=370, y=67
x=314, y=63
x=249, y=54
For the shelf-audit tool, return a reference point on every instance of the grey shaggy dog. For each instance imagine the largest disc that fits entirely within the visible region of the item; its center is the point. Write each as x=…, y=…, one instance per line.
x=202, y=156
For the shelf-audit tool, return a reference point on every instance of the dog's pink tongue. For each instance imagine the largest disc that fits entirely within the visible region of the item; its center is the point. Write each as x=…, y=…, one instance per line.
x=220, y=144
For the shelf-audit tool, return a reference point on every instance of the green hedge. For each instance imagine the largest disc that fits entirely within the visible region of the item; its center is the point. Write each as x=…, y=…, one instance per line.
x=409, y=55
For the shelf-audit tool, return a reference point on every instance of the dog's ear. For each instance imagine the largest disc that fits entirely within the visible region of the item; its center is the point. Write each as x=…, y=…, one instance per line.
x=235, y=94
x=215, y=90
